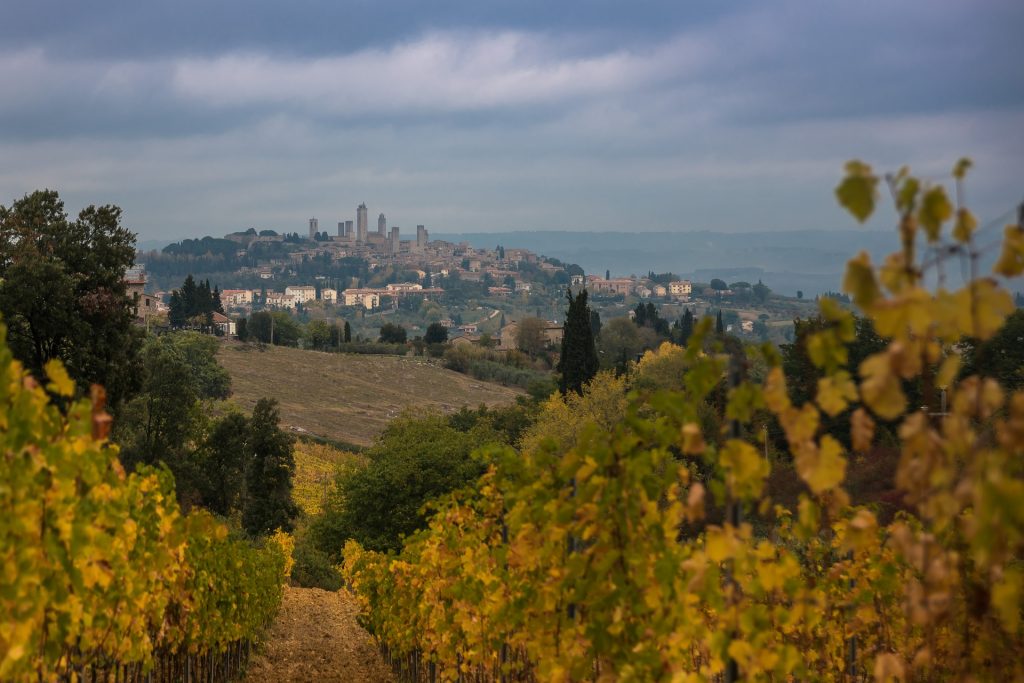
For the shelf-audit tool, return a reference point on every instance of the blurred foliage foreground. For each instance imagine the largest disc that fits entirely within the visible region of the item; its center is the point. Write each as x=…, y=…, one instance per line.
x=599, y=555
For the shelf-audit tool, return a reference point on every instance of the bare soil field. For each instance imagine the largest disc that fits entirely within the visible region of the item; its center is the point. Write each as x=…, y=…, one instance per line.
x=316, y=638
x=349, y=397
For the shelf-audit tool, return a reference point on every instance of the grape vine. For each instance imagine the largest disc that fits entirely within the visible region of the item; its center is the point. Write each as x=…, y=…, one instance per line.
x=100, y=571
x=596, y=558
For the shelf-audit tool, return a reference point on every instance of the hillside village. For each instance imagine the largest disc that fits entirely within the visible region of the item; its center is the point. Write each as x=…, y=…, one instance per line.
x=476, y=293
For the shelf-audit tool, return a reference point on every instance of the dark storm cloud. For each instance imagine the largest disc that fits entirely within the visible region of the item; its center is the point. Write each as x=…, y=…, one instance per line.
x=318, y=27
x=201, y=116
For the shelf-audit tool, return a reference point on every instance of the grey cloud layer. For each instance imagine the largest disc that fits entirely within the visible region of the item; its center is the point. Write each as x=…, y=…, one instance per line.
x=655, y=121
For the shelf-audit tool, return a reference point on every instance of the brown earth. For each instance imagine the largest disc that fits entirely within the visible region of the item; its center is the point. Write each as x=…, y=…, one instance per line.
x=349, y=397
x=316, y=638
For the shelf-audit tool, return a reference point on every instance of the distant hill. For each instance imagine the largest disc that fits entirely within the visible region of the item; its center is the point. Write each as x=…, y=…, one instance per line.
x=152, y=245
x=808, y=260
x=348, y=397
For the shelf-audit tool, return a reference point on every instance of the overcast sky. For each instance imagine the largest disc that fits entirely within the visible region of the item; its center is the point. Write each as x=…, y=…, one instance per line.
x=203, y=117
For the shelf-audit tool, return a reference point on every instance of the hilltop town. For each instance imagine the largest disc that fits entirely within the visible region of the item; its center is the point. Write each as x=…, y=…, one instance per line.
x=368, y=277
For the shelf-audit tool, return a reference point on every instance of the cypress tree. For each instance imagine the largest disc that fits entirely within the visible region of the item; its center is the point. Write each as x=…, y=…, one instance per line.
x=348, y=332
x=578, y=363
x=188, y=297
x=719, y=326
x=218, y=305
x=686, y=327
x=595, y=323
x=269, y=472
x=640, y=315
x=176, y=315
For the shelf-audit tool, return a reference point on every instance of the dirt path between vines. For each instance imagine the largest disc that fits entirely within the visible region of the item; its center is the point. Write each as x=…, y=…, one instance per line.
x=316, y=638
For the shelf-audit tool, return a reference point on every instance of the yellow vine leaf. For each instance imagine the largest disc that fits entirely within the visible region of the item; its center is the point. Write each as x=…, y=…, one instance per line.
x=859, y=280
x=862, y=430
x=985, y=305
x=947, y=371
x=60, y=382
x=720, y=545
x=935, y=210
x=880, y=388
x=835, y=392
x=856, y=193
x=965, y=225
x=907, y=194
x=962, y=166
x=745, y=469
x=822, y=467
x=1011, y=259
x=775, y=396
x=908, y=313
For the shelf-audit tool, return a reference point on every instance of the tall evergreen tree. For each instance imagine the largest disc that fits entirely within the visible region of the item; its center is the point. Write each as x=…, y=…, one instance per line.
x=640, y=315
x=218, y=305
x=223, y=464
x=348, y=332
x=176, y=315
x=578, y=363
x=189, y=296
x=270, y=468
x=595, y=323
x=719, y=325
x=685, y=328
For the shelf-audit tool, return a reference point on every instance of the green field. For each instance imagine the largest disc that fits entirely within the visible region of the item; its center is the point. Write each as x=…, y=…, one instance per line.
x=349, y=397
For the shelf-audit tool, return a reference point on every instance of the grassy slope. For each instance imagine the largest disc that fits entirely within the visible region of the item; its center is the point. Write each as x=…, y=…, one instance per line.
x=348, y=397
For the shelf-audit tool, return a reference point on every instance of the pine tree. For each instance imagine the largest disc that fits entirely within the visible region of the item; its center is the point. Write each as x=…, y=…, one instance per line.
x=578, y=363
x=269, y=472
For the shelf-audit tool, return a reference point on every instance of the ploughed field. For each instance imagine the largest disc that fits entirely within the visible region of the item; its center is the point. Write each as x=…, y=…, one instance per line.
x=349, y=397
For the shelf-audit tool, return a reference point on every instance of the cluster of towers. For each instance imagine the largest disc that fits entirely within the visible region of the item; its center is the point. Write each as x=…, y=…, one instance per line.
x=359, y=231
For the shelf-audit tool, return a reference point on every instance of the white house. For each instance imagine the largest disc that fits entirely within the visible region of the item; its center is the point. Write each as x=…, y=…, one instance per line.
x=680, y=288
x=224, y=324
x=302, y=293
x=404, y=287
x=367, y=298
x=279, y=300
x=236, y=297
